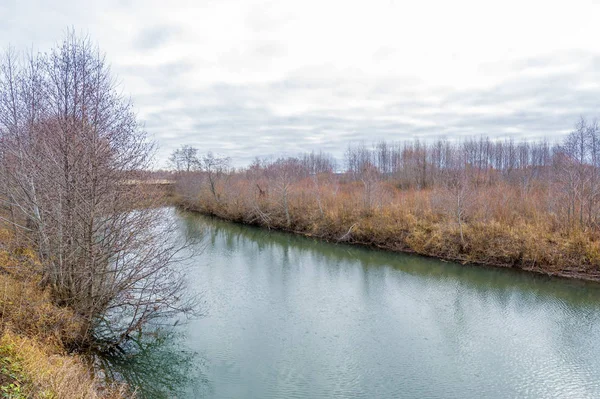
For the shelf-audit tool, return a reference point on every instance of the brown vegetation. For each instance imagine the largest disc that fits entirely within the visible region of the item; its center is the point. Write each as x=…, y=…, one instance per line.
x=531, y=206
x=35, y=336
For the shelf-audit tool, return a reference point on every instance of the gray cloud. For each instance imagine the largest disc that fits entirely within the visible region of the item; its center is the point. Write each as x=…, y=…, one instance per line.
x=265, y=79
x=530, y=108
x=155, y=36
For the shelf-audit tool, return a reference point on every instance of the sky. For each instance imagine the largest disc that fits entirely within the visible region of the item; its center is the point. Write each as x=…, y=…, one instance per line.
x=268, y=78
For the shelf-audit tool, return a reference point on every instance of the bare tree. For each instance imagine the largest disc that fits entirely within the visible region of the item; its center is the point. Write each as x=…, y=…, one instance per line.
x=72, y=151
x=285, y=172
x=457, y=182
x=215, y=168
x=184, y=159
x=593, y=145
x=576, y=170
x=369, y=176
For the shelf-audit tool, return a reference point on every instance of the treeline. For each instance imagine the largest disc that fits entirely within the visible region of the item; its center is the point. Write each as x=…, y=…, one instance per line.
x=532, y=205
x=567, y=170
x=421, y=164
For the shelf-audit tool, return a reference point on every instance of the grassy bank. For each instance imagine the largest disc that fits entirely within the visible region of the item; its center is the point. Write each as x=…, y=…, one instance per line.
x=35, y=336
x=511, y=232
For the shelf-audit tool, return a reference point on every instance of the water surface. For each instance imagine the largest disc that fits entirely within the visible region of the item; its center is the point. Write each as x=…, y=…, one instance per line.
x=291, y=317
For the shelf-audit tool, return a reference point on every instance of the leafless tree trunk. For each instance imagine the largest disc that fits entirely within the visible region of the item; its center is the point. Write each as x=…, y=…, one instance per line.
x=286, y=171
x=215, y=168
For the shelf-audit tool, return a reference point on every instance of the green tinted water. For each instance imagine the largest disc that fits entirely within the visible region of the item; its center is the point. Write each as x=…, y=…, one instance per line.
x=290, y=317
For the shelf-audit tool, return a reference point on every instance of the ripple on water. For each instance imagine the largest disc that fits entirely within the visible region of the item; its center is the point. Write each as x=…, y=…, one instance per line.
x=294, y=318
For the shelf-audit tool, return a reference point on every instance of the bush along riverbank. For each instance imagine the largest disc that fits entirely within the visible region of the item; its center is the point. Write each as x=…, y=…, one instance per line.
x=521, y=245
x=477, y=204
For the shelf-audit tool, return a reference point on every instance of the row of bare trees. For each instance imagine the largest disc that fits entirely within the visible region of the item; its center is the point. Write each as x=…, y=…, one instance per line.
x=564, y=175
x=568, y=169
x=71, y=150
x=421, y=164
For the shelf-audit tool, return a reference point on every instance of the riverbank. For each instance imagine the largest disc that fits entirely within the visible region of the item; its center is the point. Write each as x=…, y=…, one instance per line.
x=35, y=336
x=530, y=244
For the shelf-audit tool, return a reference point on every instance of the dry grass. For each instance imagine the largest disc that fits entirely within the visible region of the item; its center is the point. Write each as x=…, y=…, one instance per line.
x=34, y=335
x=43, y=372
x=502, y=226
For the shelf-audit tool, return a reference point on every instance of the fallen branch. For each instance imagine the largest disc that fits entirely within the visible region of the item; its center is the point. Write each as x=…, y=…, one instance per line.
x=343, y=238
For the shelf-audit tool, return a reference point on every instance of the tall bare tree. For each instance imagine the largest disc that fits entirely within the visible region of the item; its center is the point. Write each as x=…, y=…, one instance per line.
x=215, y=168
x=72, y=152
x=284, y=172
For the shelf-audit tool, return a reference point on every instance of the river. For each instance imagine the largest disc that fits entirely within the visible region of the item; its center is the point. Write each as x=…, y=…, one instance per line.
x=292, y=317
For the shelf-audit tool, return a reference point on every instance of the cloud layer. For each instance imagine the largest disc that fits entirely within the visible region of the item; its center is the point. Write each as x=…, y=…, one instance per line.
x=266, y=78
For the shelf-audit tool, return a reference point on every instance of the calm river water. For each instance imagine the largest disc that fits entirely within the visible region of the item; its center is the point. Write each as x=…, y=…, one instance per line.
x=290, y=317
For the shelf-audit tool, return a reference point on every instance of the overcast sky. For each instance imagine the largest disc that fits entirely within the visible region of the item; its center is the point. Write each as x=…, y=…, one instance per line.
x=260, y=78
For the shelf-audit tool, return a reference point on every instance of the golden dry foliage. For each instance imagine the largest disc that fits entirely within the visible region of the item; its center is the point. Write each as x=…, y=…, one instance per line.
x=34, y=334
x=498, y=226
x=40, y=371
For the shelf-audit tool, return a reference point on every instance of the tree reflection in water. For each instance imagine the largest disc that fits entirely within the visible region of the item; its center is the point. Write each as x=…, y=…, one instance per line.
x=157, y=365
